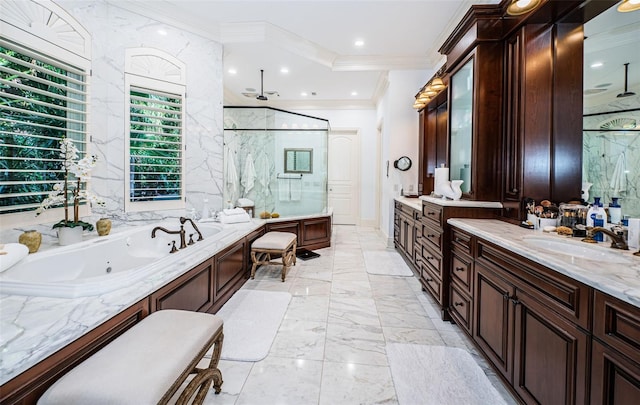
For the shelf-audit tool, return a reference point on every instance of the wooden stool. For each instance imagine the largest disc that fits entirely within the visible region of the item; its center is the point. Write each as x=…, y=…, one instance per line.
x=148, y=364
x=280, y=243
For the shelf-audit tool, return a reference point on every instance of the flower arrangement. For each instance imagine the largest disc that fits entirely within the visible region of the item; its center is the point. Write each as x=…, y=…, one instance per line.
x=65, y=189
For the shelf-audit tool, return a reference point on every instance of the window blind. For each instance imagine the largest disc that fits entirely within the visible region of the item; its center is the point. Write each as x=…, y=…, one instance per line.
x=155, y=145
x=42, y=100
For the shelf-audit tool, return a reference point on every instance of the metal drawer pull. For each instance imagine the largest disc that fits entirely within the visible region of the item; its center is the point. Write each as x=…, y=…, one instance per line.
x=460, y=269
x=458, y=304
x=431, y=236
x=429, y=280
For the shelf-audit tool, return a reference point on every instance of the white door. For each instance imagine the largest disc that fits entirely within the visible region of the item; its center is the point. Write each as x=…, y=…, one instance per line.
x=344, y=174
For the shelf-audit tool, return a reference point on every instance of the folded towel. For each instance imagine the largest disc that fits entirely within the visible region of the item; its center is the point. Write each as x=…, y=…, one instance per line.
x=295, y=188
x=284, y=189
x=11, y=254
x=234, y=211
x=234, y=219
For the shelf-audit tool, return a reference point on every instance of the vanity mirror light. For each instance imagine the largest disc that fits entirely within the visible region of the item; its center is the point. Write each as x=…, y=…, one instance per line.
x=297, y=160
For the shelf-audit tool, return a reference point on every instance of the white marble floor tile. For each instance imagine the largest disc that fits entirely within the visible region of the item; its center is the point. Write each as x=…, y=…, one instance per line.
x=412, y=335
x=359, y=289
x=355, y=311
x=405, y=320
x=276, y=380
x=355, y=344
x=301, y=286
x=308, y=308
x=300, y=340
x=391, y=303
x=347, y=383
x=267, y=285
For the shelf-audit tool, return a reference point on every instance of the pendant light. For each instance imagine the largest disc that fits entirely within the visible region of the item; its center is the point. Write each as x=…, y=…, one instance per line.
x=519, y=7
x=629, y=5
x=626, y=77
x=437, y=84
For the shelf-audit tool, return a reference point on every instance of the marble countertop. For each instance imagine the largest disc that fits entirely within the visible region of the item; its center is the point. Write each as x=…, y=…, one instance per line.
x=33, y=328
x=461, y=203
x=621, y=280
x=412, y=202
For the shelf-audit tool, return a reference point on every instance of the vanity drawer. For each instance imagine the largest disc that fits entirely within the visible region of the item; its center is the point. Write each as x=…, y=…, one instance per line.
x=433, y=213
x=461, y=272
x=432, y=235
x=461, y=308
x=431, y=283
x=432, y=259
x=461, y=242
x=617, y=324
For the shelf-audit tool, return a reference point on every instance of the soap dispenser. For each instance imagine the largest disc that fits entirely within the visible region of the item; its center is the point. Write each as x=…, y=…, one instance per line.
x=615, y=211
x=594, y=210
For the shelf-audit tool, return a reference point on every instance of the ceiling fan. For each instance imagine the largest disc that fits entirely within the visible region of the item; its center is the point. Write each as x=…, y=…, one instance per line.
x=252, y=93
x=626, y=74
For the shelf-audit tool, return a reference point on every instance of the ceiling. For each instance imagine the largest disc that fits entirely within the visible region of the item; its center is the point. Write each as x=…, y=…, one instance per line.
x=315, y=41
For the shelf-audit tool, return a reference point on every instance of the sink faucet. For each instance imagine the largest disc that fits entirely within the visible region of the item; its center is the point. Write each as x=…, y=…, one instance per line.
x=617, y=240
x=181, y=232
x=183, y=220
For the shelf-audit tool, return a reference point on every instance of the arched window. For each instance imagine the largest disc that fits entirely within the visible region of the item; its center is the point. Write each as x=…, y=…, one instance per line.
x=44, y=67
x=154, y=142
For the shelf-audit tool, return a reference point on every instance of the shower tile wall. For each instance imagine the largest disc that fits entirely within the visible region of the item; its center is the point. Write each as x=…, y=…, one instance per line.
x=113, y=30
x=602, y=150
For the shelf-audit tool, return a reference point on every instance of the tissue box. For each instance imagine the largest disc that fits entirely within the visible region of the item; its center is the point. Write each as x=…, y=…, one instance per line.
x=634, y=233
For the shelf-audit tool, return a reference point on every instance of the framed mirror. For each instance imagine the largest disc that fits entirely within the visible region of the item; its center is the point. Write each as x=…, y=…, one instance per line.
x=297, y=160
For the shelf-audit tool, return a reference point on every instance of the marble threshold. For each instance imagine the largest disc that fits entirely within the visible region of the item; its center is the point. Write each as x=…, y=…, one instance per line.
x=620, y=280
x=33, y=328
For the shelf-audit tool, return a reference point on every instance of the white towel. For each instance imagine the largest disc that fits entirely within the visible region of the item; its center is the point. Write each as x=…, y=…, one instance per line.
x=284, y=189
x=231, y=175
x=248, y=175
x=233, y=211
x=12, y=253
x=234, y=219
x=263, y=167
x=619, y=178
x=296, y=189
x=245, y=202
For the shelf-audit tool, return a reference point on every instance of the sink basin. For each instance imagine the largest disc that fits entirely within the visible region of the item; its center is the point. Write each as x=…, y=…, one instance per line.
x=578, y=250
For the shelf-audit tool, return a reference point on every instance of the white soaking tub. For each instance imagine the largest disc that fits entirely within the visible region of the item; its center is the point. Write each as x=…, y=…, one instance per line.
x=98, y=265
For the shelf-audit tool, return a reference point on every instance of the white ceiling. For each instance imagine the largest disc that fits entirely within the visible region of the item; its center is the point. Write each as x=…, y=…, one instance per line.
x=315, y=41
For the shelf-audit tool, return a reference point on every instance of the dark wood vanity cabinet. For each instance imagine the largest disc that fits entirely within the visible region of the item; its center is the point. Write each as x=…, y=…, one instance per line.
x=433, y=134
x=615, y=367
x=313, y=233
x=406, y=233
x=193, y=291
x=230, y=273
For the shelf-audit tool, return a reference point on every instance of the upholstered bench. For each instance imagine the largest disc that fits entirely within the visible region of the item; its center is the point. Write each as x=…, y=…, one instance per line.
x=274, y=243
x=148, y=364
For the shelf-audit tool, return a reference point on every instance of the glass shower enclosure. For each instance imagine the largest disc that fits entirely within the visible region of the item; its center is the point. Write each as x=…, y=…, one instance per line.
x=275, y=160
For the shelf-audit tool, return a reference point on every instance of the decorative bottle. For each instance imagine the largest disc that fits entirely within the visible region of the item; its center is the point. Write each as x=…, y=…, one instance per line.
x=615, y=211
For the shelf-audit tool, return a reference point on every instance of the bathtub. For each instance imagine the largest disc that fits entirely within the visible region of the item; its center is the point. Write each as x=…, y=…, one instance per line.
x=99, y=265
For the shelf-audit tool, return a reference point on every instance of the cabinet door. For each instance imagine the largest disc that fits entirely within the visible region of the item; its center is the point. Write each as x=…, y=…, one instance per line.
x=192, y=291
x=614, y=379
x=550, y=355
x=286, y=226
x=461, y=125
x=316, y=232
x=229, y=270
x=493, y=329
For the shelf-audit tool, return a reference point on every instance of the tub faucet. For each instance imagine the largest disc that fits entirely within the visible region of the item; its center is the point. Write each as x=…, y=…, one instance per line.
x=617, y=240
x=183, y=243
x=183, y=220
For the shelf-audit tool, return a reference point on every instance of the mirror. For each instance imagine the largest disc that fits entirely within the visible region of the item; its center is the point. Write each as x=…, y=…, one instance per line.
x=611, y=124
x=298, y=160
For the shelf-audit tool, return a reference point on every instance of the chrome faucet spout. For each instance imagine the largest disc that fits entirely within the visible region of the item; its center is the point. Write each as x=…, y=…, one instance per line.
x=193, y=224
x=617, y=241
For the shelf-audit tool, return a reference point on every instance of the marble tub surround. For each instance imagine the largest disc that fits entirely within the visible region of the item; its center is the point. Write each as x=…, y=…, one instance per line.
x=461, y=203
x=32, y=328
x=619, y=280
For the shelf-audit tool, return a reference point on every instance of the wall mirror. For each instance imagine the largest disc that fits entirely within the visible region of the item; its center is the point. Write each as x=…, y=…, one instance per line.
x=611, y=123
x=298, y=160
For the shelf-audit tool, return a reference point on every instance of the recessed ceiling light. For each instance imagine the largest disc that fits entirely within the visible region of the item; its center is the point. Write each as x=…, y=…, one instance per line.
x=284, y=70
x=162, y=32
x=596, y=65
x=303, y=94
x=359, y=42
x=232, y=71
x=354, y=93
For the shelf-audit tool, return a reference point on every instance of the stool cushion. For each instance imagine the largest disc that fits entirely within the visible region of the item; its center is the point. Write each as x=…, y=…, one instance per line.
x=139, y=366
x=274, y=241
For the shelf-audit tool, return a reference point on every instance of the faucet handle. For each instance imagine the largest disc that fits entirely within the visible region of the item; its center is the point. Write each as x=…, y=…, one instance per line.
x=191, y=242
x=173, y=247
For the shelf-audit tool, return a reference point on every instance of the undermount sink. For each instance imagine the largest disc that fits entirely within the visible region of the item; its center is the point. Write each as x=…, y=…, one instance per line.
x=577, y=249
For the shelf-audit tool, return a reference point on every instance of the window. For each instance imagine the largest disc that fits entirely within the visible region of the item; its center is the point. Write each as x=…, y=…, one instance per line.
x=155, y=147
x=42, y=101
x=154, y=144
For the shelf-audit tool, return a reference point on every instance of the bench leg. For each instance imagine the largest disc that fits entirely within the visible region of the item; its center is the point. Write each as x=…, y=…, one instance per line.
x=254, y=266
